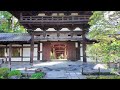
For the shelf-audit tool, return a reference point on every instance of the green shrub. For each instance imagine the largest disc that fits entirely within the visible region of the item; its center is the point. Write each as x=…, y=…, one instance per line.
x=4, y=73
x=14, y=73
x=39, y=75
x=98, y=73
x=104, y=77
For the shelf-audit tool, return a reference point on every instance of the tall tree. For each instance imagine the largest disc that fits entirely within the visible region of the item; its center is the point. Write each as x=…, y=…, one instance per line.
x=8, y=23
x=104, y=27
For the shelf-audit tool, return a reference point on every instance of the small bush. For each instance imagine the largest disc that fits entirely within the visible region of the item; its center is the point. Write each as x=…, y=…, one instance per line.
x=14, y=73
x=97, y=73
x=4, y=73
x=104, y=77
x=39, y=75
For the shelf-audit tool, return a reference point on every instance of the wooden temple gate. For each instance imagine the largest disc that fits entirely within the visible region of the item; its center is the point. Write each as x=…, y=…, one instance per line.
x=32, y=20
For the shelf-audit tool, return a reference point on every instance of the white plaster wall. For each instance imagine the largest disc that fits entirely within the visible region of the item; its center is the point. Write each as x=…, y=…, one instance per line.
x=26, y=59
x=76, y=44
x=75, y=36
x=64, y=35
x=41, y=49
x=35, y=52
x=35, y=45
x=81, y=49
x=35, y=59
x=74, y=14
x=26, y=52
x=15, y=59
x=2, y=45
x=41, y=46
x=41, y=56
x=26, y=44
x=54, y=14
x=8, y=51
x=1, y=58
x=61, y=14
x=51, y=34
x=41, y=14
x=81, y=52
x=16, y=45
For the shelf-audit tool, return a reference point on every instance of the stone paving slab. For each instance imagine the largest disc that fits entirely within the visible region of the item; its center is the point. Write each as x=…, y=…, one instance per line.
x=56, y=69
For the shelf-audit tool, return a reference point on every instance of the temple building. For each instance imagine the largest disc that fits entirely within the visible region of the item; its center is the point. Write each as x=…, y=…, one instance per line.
x=52, y=35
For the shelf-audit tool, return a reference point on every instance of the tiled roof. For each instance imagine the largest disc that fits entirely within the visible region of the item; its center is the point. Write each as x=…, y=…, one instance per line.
x=14, y=37
x=25, y=37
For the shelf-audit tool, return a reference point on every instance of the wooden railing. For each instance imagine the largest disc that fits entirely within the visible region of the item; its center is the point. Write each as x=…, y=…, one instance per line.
x=54, y=18
x=37, y=38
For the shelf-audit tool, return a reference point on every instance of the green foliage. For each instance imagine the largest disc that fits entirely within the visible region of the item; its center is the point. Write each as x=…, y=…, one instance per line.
x=39, y=75
x=9, y=24
x=14, y=73
x=103, y=27
x=103, y=77
x=4, y=73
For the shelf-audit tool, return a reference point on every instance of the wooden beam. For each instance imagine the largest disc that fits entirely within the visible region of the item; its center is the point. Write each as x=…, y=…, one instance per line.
x=44, y=33
x=84, y=47
x=41, y=32
x=58, y=33
x=10, y=55
x=22, y=54
x=21, y=18
x=72, y=32
x=32, y=48
x=65, y=54
x=78, y=52
x=38, y=56
x=6, y=53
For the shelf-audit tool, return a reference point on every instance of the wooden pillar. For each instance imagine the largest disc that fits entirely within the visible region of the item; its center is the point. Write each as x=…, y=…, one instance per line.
x=10, y=55
x=22, y=54
x=32, y=48
x=78, y=51
x=58, y=30
x=44, y=33
x=21, y=16
x=6, y=53
x=72, y=33
x=54, y=53
x=65, y=52
x=58, y=33
x=84, y=46
x=46, y=51
x=38, y=54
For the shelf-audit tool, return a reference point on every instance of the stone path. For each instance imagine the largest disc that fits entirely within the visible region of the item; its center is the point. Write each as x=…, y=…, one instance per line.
x=55, y=69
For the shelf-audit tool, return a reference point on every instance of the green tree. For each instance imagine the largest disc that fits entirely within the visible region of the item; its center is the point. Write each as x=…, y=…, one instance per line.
x=10, y=24
x=104, y=26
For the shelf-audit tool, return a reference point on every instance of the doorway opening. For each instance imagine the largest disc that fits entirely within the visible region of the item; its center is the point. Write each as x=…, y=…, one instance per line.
x=58, y=52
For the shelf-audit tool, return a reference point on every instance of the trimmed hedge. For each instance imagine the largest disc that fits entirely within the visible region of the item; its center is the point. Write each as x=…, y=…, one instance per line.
x=4, y=73
x=103, y=77
x=39, y=75
x=14, y=73
x=97, y=73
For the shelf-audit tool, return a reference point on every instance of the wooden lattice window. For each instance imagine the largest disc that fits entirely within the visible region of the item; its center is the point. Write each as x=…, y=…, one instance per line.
x=15, y=52
x=2, y=52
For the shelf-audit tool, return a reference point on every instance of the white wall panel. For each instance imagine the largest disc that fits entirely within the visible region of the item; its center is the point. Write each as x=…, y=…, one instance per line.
x=26, y=52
